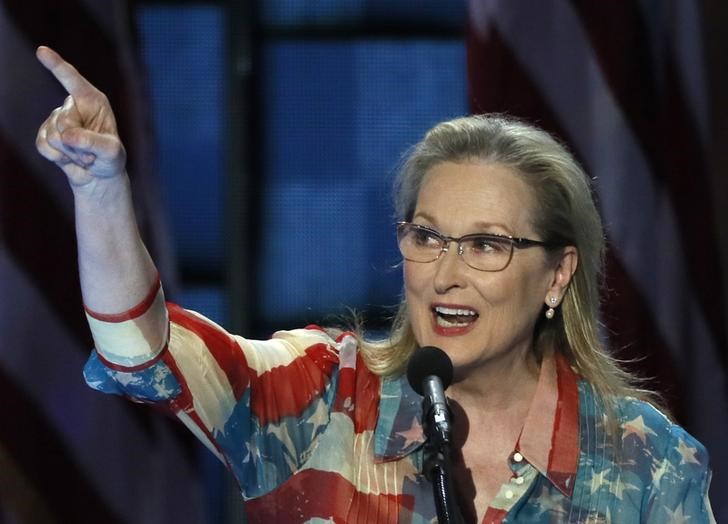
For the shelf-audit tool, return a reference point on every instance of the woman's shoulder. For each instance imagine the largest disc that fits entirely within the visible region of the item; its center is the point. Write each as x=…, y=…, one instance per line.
x=662, y=460
x=646, y=430
x=642, y=435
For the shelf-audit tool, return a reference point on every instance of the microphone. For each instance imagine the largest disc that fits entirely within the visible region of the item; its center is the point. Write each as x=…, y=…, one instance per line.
x=429, y=373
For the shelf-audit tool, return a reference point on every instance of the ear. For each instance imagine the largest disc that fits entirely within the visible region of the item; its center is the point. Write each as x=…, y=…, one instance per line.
x=564, y=269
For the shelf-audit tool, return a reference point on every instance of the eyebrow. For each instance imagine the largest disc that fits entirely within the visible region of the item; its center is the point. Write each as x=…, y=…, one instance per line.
x=483, y=226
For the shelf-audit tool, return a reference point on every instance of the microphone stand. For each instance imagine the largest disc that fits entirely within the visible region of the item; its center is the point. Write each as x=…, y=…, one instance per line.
x=437, y=463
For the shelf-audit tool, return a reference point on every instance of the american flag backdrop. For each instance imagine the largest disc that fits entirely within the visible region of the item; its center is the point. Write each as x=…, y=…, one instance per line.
x=626, y=85
x=68, y=454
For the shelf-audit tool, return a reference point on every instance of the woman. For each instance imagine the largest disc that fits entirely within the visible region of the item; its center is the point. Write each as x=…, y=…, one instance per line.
x=502, y=248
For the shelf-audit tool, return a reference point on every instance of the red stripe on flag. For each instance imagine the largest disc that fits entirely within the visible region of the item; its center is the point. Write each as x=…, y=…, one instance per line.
x=222, y=346
x=289, y=390
x=635, y=339
x=366, y=411
x=343, y=504
x=498, y=84
x=648, y=90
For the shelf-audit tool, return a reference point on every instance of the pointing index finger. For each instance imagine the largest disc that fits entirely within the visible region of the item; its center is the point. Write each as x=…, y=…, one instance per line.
x=69, y=77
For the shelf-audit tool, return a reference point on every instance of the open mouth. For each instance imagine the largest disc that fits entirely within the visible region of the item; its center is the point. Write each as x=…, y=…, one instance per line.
x=449, y=317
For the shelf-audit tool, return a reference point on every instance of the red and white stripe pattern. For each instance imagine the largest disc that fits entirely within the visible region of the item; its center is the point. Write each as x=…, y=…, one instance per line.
x=622, y=83
x=144, y=335
x=258, y=406
x=68, y=454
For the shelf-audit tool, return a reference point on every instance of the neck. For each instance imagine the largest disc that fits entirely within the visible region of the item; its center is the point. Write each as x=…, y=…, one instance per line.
x=500, y=384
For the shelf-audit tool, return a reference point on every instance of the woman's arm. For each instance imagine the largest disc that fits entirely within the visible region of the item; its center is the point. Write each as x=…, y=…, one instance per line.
x=82, y=139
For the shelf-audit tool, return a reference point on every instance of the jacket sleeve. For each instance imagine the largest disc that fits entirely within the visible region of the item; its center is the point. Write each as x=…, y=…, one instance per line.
x=258, y=405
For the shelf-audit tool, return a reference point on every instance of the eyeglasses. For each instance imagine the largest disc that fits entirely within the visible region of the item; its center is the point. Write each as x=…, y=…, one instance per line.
x=481, y=251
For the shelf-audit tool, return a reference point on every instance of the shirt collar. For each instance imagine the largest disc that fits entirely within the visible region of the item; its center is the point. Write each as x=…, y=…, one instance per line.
x=549, y=440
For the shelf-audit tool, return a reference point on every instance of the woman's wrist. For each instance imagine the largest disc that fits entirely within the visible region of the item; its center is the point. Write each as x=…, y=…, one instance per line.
x=103, y=197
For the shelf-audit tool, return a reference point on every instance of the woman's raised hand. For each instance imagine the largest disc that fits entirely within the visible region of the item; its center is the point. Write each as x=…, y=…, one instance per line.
x=81, y=135
x=81, y=138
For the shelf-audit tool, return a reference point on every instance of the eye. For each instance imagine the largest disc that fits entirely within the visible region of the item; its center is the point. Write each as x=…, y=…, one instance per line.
x=425, y=238
x=487, y=245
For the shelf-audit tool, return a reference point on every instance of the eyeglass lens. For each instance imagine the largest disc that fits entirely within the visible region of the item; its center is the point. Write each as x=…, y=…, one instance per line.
x=483, y=252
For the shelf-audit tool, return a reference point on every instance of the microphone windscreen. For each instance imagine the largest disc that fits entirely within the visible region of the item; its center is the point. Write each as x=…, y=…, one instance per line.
x=427, y=361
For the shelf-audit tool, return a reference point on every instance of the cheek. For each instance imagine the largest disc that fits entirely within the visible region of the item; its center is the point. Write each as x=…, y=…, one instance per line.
x=416, y=278
x=417, y=282
x=497, y=289
x=510, y=296
x=526, y=296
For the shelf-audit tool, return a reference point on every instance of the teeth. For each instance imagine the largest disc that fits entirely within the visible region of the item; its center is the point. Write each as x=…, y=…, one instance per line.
x=441, y=321
x=452, y=311
x=454, y=317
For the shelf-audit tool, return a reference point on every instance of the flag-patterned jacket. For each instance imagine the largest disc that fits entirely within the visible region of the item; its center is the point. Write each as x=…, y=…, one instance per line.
x=312, y=436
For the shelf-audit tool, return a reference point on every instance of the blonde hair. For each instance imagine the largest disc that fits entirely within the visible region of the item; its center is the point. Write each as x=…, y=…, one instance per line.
x=566, y=216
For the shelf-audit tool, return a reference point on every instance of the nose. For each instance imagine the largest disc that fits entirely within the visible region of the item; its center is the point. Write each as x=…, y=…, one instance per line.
x=450, y=269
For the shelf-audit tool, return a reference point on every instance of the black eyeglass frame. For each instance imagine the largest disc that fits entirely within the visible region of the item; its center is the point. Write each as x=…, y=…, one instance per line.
x=515, y=242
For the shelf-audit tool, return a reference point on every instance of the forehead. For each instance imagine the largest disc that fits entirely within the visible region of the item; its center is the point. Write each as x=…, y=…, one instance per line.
x=459, y=197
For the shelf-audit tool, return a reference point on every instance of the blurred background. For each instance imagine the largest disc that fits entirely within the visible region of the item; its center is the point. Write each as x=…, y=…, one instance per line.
x=263, y=137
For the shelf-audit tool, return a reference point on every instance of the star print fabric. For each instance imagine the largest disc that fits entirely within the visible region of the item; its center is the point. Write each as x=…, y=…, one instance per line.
x=311, y=435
